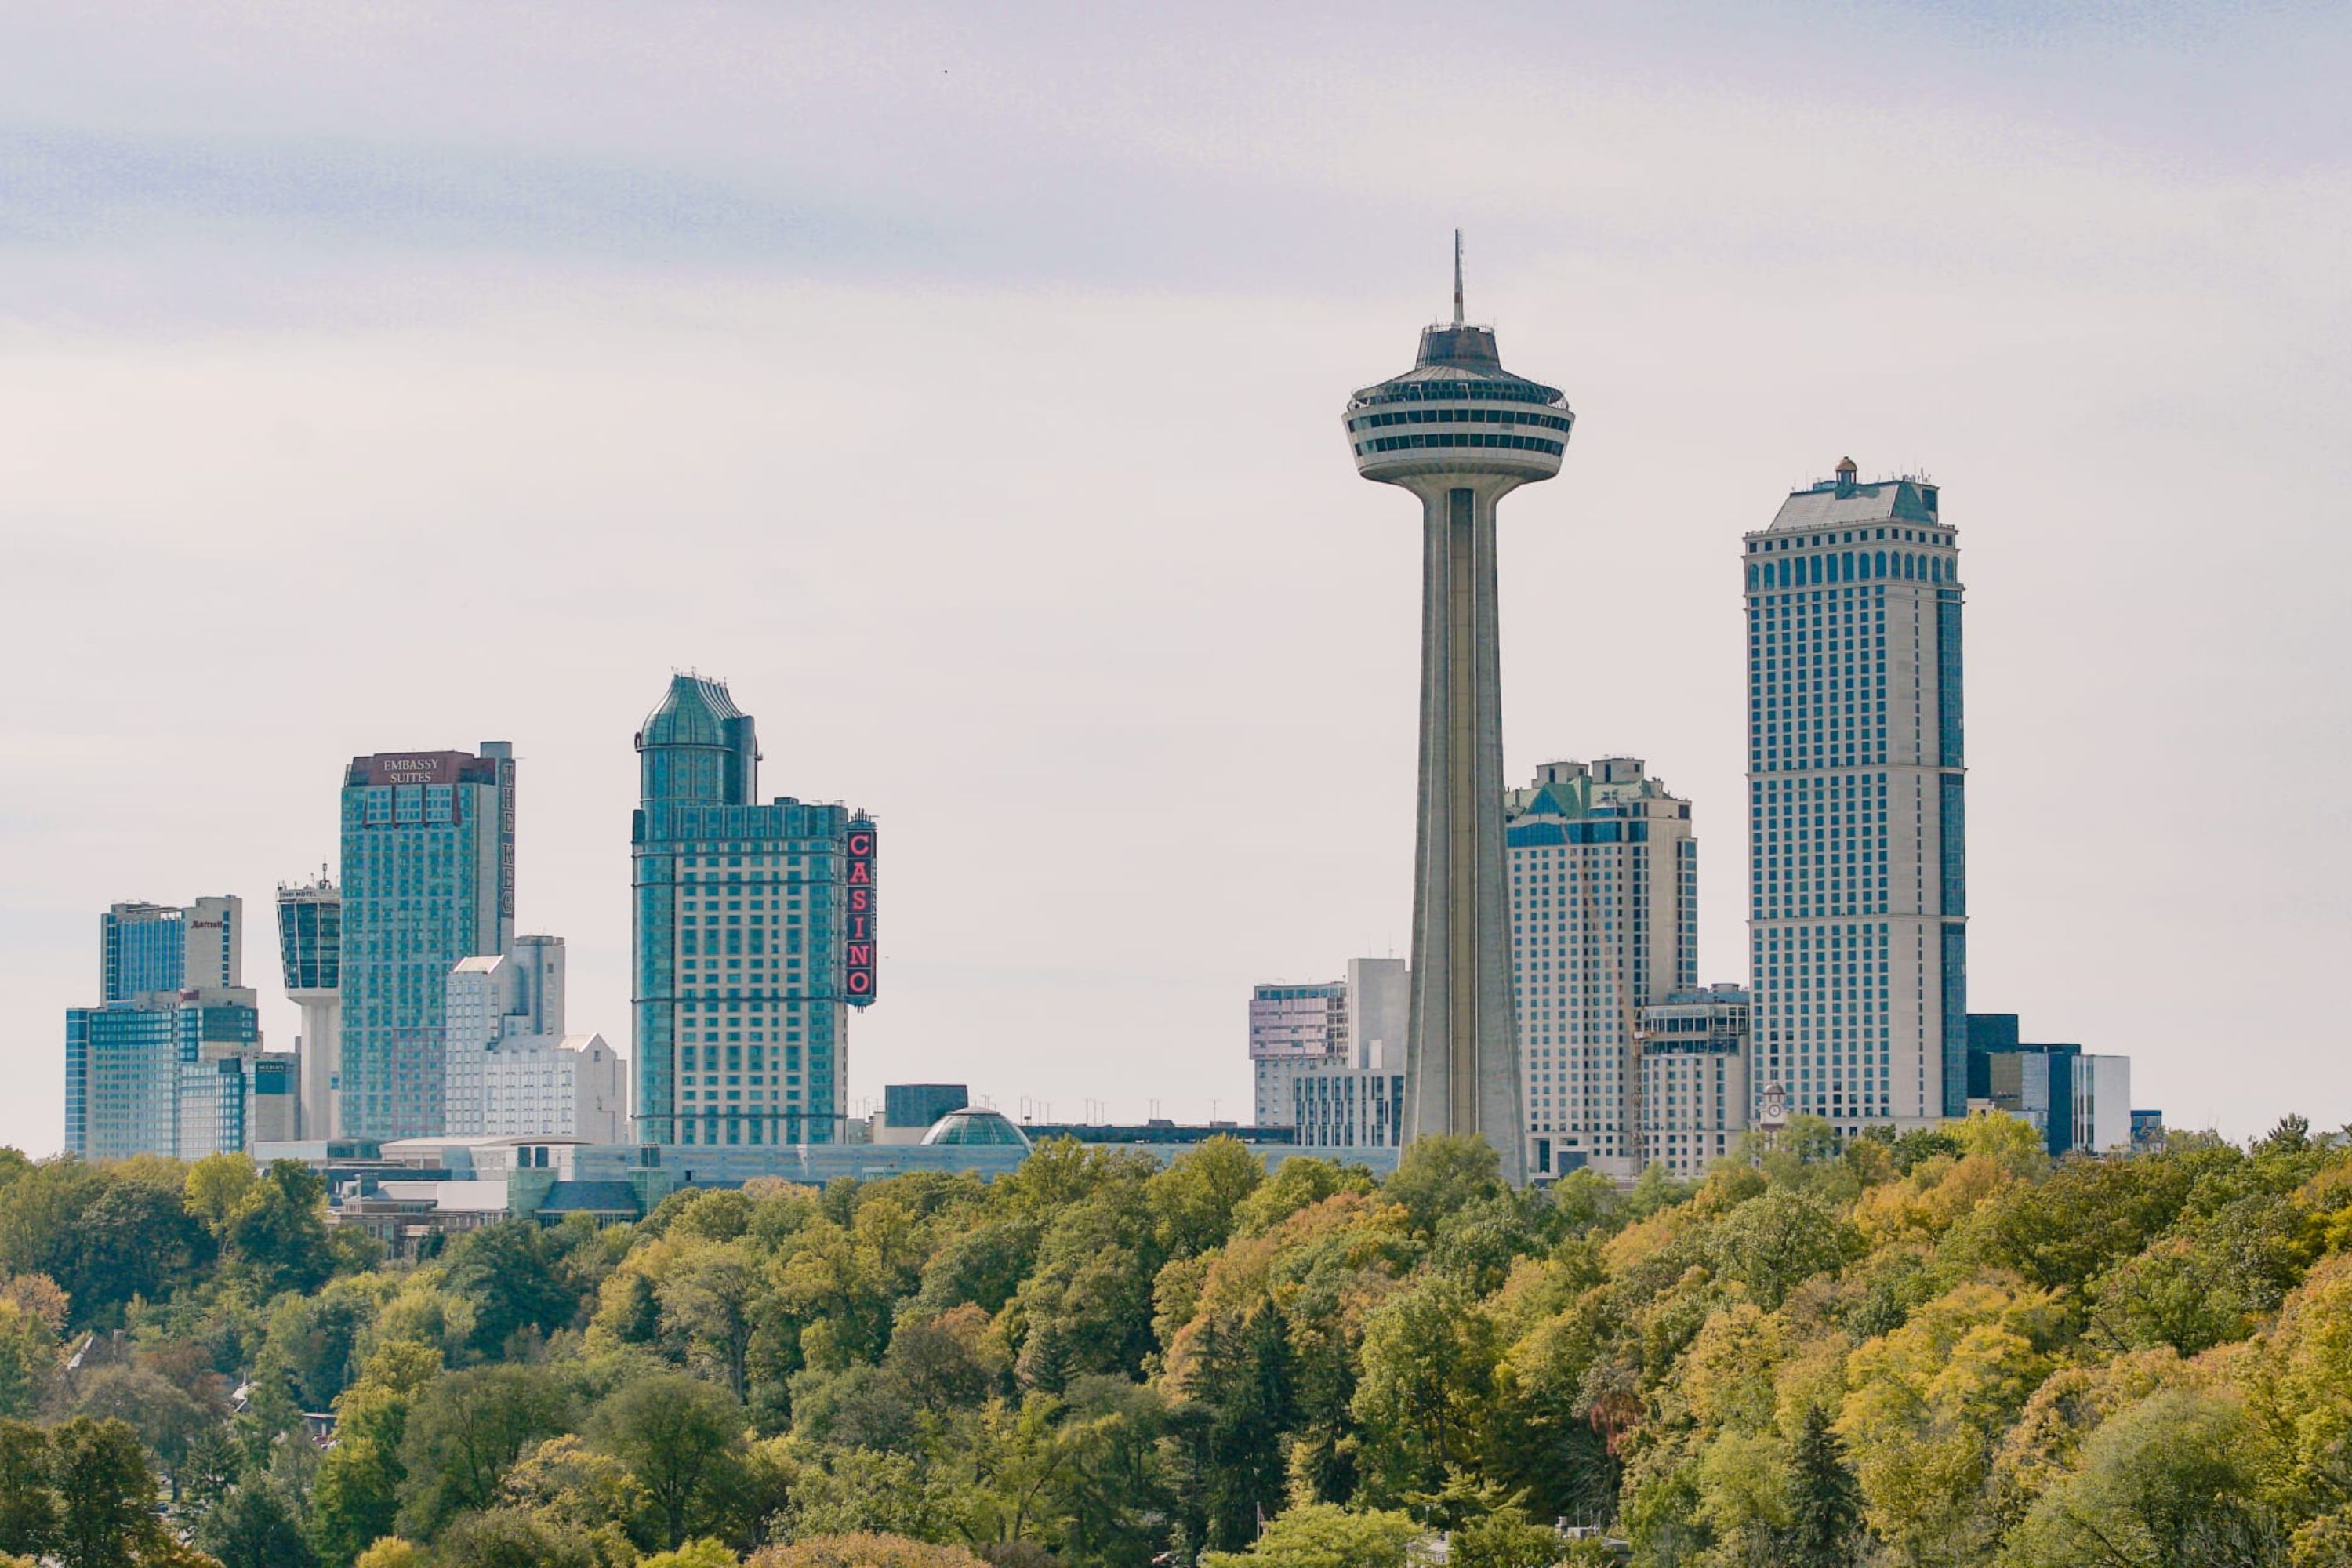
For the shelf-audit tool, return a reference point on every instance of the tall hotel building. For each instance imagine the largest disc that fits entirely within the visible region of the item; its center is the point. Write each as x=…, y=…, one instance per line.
x=1604, y=923
x=754, y=930
x=428, y=879
x=1857, y=885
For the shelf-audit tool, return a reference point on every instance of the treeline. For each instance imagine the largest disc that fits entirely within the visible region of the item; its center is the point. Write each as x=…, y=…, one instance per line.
x=1926, y=1350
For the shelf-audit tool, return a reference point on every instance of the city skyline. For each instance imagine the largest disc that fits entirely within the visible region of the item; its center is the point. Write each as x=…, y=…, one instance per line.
x=553, y=351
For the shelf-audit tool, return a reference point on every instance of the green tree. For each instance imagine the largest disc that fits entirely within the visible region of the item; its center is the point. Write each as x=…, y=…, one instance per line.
x=255, y=1527
x=1323, y=1535
x=2158, y=1484
x=513, y=1273
x=465, y=1431
x=106, y=1494
x=1505, y=1538
x=1825, y=1503
x=513, y=1538
x=28, y=1508
x=1193, y=1200
x=1424, y=1393
x=684, y=1439
x=1438, y=1176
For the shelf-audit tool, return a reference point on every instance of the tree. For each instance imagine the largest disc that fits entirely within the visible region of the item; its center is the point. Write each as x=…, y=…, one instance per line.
x=684, y=1439
x=1323, y=1535
x=862, y=1548
x=106, y=1494
x=29, y=1359
x=703, y=1553
x=1505, y=1538
x=1422, y=1398
x=28, y=1508
x=2157, y=1482
x=254, y=1527
x=1192, y=1201
x=512, y=1538
x=1824, y=1504
x=513, y=1274
x=392, y=1553
x=1438, y=1175
x=463, y=1433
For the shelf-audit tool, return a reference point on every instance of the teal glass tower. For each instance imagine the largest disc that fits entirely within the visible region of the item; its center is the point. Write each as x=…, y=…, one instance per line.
x=428, y=879
x=754, y=935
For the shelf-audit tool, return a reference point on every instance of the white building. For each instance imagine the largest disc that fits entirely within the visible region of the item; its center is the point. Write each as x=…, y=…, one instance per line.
x=1694, y=1093
x=572, y=1086
x=2103, y=1116
x=1324, y=1028
x=490, y=999
x=1857, y=875
x=1604, y=923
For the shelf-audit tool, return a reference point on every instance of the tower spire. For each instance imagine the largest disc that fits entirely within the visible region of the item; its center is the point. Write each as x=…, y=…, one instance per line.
x=1457, y=278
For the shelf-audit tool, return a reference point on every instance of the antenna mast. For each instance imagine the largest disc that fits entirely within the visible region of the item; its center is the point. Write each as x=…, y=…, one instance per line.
x=1458, y=279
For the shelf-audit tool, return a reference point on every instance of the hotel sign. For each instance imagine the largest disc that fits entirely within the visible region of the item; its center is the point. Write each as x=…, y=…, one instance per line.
x=858, y=927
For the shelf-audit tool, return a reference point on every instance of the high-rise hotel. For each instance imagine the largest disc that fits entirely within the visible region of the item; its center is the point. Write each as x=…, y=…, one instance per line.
x=754, y=932
x=1604, y=923
x=428, y=879
x=1857, y=886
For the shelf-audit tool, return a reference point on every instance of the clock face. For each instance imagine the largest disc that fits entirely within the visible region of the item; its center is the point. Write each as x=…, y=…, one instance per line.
x=1774, y=1111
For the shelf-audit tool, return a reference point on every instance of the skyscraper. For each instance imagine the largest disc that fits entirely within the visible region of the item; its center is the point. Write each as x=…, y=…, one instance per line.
x=1337, y=1032
x=311, y=944
x=144, y=948
x=428, y=879
x=1460, y=433
x=167, y=1063
x=1857, y=874
x=1604, y=923
x=754, y=934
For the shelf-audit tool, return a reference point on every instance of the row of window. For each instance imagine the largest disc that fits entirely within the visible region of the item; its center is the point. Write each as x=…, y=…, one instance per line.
x=1402, y=443
x=1461, y=416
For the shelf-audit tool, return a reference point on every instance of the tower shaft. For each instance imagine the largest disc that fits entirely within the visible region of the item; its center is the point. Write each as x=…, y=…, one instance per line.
x=1463, y=1073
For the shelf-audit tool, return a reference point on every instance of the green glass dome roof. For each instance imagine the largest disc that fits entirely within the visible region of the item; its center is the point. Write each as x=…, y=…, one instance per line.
x=975, y=1125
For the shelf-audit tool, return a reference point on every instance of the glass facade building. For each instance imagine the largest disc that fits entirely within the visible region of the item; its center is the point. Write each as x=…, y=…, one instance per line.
x=124, y=1065
x=429, y=879
x=1857, y=868
x=753, y=936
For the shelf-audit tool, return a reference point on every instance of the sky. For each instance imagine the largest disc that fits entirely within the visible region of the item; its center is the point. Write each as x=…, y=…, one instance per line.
x=963, y=385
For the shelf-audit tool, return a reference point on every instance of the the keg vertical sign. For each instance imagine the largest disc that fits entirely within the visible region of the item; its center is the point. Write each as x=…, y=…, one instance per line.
x=858, y=924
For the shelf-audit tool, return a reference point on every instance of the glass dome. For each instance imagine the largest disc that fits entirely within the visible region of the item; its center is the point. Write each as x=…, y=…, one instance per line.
x=975, y=1125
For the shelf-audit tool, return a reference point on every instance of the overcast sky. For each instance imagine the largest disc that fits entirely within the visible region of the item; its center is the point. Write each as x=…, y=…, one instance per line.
x=963, y=385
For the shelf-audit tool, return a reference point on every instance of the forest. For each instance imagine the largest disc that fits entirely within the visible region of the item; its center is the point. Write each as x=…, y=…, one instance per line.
x=1937, y=1349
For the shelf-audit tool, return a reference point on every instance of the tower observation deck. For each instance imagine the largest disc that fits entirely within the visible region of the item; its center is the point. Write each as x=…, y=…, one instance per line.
x=1461, y=432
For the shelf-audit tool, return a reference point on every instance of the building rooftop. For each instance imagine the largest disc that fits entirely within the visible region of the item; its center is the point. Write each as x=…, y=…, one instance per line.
x=1843, y=500
x=975, y=1125
x=695, y=712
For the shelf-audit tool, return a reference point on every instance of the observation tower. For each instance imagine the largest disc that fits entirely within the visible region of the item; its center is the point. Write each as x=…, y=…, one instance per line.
x=1461, y=432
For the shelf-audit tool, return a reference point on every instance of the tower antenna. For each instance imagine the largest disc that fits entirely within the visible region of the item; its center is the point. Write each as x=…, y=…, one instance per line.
x=1458, y=279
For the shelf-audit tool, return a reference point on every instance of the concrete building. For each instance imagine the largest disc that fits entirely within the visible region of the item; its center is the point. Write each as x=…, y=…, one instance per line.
x=550, y=1085
x=1604, y=921
x=1460, y=433
x=146, y=948
x=1338, y=1105
x=311, y=945
x=1857, y=880
x=1358, y=1022
x=754, y=936
x=1695, y=1091
x=428, y=879
x=491, y=999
